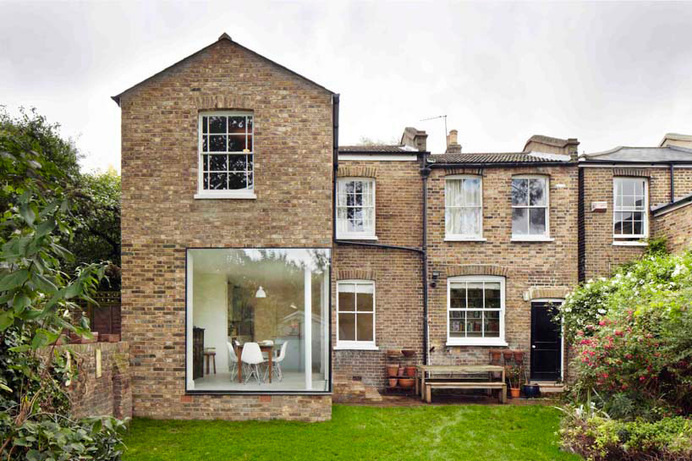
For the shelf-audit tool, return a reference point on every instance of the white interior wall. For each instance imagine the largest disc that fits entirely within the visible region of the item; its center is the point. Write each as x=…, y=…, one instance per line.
x=210, y=311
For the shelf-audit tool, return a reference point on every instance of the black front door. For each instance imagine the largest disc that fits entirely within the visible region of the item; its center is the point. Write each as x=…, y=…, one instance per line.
x=546, y=342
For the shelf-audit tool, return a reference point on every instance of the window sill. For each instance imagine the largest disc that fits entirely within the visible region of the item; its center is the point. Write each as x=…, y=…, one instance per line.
x=356, y=347
x=528, y=239
x=356, y=237
x=452, y=238
x=476, y=342
x=626, y=243
x=226, y=195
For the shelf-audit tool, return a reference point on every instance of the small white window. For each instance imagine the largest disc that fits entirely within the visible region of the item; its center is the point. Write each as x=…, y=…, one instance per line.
x=463, y=208
x=629, y=208
x=476, y=311
x=530, y=210
x=355, y=307
x=355, y=208
x=226, y=163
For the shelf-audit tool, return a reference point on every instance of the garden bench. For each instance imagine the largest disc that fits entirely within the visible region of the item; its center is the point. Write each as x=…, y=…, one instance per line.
x=426, y=379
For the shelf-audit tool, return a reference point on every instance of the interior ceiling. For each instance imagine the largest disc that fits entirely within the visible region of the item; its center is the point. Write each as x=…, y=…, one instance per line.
x=228, y=261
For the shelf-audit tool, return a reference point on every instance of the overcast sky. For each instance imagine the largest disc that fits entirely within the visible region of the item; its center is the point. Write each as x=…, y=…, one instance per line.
x=607, y=73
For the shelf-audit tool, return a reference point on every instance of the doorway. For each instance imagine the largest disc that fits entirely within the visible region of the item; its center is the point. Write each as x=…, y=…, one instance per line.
x=546, y=341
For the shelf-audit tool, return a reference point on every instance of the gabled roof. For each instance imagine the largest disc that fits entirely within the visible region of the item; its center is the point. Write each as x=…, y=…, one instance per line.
x=676, y=137
x=223, y=38
x=500, y=157
x=641, y=154
x=377, y=149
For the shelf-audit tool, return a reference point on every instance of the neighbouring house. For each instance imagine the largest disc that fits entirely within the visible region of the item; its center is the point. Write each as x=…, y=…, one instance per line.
x=251, y=237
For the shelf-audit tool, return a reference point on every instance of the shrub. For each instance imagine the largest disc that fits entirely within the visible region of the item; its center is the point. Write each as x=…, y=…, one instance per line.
x=597, y=437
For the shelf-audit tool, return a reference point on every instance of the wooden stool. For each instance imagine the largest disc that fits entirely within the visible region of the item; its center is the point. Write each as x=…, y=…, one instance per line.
x=210, y=356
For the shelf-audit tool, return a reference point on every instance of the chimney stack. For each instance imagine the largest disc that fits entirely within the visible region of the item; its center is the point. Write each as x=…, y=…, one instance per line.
x=453, y=146
x=414, y=138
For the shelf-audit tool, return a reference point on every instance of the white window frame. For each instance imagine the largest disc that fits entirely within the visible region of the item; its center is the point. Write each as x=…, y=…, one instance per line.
x=500, y=340
x=357, y=345
x=465, y=237
x=545, y=237
x=644, y=210
x=247, y=193
x=367, y=234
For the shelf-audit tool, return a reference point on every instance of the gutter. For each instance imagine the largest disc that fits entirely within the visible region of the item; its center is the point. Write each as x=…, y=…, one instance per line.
x=497, y=164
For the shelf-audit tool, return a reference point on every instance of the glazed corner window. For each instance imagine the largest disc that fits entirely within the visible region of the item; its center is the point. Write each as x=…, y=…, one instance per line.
x=226, y=155
x=355, y=314
x=629, y=208
x=530, y=216
x=476, y=308
x=355, y=208
x=463, y=207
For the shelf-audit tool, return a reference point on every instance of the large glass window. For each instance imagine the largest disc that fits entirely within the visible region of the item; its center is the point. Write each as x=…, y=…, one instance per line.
x=463, y=207
x=356, y=314
x=530, y=214
x=262, y=315
x=476, y=307
x=355, y=208
x=629, y=208
x=226, y=154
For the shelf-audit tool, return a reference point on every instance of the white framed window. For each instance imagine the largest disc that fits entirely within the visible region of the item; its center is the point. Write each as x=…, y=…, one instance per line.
x=463, y=207
x=355, y=314
x=630, y=204
x=226, y=160
x=530, y=208
x=355, y=208
x=476, y=311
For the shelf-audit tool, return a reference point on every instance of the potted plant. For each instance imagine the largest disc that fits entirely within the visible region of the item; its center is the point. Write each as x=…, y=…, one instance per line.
x=410, y=371
x=515, y=375
x=392, y=382
x=495, y=357
x=531, y=390
x=392, y=370
x=508, y=356
x=408, y=352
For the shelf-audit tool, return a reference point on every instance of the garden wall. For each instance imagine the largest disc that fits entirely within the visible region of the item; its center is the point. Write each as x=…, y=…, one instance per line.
x=107, y=393
x=676, y=226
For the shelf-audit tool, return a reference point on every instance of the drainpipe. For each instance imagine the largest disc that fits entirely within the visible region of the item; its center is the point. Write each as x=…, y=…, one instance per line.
x=672, y=182
x=425, y=172
x=335, y=158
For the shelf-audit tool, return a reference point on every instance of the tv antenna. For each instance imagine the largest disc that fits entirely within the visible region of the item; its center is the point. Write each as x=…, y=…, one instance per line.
x=435, y=118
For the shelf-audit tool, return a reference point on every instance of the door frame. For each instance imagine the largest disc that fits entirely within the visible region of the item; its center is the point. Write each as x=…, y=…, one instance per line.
x=562, y=332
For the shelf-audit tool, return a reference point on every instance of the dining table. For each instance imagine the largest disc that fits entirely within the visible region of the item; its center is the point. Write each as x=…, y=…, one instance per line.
x=265, y=348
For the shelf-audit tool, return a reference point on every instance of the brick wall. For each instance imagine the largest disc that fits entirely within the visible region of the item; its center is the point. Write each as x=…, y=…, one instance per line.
x=676, y=227
x=161, y=218
x=601, y=256
x=397, y=274
x=539, y=268
x=107, y=395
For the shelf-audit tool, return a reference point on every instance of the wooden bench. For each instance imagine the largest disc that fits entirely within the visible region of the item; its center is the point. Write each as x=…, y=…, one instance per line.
x=426, y=381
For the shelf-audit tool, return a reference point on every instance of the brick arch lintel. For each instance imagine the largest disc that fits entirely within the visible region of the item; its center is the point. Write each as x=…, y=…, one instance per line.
x=638, y=172
x=356, y=171
x=222, y=102
x=547, y=292
x=469, y=171
x=355, y=274
x=477, y=269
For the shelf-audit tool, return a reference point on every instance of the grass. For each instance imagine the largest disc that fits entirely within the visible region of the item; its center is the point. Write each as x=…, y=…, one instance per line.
x=469, y=432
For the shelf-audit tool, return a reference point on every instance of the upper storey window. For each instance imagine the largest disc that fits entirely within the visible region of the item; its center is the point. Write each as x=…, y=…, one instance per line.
x=355, y=208
x=629, y=208
x=463, y=208
x=530, y=216
x=226, y=155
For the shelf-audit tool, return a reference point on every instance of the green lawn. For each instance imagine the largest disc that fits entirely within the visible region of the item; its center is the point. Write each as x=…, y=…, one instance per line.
x=447, y=432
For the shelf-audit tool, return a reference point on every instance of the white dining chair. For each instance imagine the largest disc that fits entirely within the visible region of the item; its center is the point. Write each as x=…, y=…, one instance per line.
x=232, y=361
x=276, y=362
x=253, y=358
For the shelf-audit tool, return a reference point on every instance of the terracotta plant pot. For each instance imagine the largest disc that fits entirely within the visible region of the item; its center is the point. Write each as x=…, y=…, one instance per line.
x=406, y=383
x=410, y=371
x=400, y=372
x=408, y=352
x=393, y=353
x=392, y=382
x=392, y=370
x=514, y=392
x=519, y=356
x=508, y=355
x=495, y=357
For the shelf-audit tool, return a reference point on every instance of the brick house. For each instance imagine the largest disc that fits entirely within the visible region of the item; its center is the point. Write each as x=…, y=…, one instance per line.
x=269, y=270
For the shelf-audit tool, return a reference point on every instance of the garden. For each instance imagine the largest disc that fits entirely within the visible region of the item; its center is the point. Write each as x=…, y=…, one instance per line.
x=632, y=358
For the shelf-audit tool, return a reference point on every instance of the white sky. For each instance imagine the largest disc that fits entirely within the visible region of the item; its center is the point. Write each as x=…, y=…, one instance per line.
x=608, y=73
